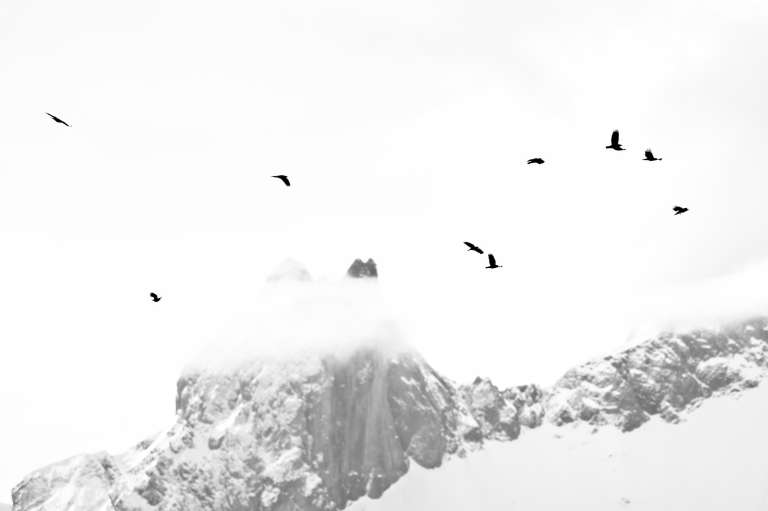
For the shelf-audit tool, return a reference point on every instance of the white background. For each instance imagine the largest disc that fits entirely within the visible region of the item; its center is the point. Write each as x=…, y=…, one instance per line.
x=404, y=127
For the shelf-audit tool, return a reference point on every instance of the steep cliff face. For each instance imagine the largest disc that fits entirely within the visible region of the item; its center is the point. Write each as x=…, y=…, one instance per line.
x=311, y=434
x=317, y=432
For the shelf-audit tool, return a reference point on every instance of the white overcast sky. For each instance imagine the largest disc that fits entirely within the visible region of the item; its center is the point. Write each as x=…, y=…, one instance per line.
x=404, y=126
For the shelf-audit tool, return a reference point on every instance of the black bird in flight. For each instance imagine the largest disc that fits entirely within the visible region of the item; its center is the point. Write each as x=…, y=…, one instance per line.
x=473, y=247
x=650, y=157
x=678, y=210
x=535, y=160
x=58, y=120
x=615, y=142
x=492, y=262
x=155, y=298
x=284, y=179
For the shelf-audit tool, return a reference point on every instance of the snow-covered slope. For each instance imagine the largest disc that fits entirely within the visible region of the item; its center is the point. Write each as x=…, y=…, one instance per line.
x=716, y=458
x=313, y=432
x=5, y=507
x=316, y=431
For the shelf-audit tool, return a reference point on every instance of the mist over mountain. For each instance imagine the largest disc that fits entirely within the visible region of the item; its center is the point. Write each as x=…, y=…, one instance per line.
x=294, y=314
x=326, y=404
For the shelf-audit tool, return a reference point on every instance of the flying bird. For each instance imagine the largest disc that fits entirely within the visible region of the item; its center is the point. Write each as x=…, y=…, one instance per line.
x=615, y=142
x=650, y=157
x=492, y=262
x=284, y=179
x=58, y=120
x=473, y=247
x=678, y=210
x=155, y=298
x=535, y=160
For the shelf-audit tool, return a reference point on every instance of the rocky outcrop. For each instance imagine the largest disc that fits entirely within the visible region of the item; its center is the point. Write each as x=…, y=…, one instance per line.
x=501, y=414
x=315, y=433
x=662, y=376
x=359, y=269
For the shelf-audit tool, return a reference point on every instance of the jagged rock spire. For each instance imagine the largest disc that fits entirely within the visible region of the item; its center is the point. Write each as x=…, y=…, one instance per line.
x=360, y=269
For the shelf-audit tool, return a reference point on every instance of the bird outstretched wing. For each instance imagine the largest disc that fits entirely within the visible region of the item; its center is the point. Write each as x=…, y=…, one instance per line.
x=474, y=247
x=648, y=154
x=57, y=119
x=615, y=137
x=491, y=260
x=284, y=179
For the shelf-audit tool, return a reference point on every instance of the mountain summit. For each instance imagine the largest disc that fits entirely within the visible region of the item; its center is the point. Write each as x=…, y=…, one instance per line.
x=360, y=269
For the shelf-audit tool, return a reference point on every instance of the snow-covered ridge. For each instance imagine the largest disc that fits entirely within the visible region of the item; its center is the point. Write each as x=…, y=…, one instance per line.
x=662, y=376
x=316, y=432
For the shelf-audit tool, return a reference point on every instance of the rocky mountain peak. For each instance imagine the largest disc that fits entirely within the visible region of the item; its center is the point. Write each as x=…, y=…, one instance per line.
x=360, y=269
x=315, y=432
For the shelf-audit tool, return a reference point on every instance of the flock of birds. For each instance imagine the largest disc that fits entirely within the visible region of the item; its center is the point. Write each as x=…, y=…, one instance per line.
x=491, y=260
x=615, y=145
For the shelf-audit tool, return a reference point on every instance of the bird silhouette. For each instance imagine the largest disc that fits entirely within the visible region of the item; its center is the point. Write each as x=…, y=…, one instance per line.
x=535, y=160
x=58, y=120
x=678, y=210
x=615, y=142
x=492, y=262
x=284, y=179
x=155, y=298
x=650, y=157
x=473, y=247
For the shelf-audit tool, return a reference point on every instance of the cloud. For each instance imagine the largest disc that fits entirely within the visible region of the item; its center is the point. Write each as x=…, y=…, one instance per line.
x=707, y=303
x=292, y=316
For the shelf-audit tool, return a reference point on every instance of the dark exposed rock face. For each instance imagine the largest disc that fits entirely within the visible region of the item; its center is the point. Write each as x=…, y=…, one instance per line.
x=318, y=432
x=360, y=269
